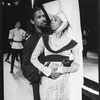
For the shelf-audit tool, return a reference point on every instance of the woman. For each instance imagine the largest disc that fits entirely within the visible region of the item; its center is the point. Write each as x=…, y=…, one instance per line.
x=61, y=51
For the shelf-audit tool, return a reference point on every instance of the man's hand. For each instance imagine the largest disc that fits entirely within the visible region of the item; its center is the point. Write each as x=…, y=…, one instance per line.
x=55, y=75
x=10, y=43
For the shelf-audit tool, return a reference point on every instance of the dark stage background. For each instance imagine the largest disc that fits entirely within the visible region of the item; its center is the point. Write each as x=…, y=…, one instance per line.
x=12, y=13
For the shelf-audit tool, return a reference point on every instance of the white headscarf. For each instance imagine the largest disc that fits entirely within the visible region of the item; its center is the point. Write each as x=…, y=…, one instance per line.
x=64, y=22
x=70, y=9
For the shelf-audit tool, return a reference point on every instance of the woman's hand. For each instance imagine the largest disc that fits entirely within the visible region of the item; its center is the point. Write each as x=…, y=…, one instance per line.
x=74, y=68
x=56, y=70
x=54, y=67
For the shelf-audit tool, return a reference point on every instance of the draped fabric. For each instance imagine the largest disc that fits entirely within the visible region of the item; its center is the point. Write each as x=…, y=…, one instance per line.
x=70, y=8
x=71, y=11
x=67, y=86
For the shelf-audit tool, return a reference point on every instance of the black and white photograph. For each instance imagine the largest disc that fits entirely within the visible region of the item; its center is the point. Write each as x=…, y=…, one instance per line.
x=50, y=49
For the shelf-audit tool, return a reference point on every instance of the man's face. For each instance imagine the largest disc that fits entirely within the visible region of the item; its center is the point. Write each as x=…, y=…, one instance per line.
x=39, y=19
x=18, y=24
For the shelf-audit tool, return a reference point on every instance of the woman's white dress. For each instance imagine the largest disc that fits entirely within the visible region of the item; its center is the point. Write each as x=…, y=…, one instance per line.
x=67, y=86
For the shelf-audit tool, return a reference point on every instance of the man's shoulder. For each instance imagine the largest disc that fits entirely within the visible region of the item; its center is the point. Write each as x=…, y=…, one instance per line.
x=22, y=30
x=12, y=29
x=29, y=40
x=30, y=43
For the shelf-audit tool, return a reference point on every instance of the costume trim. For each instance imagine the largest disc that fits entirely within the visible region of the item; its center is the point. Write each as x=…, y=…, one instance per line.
x=68, y=46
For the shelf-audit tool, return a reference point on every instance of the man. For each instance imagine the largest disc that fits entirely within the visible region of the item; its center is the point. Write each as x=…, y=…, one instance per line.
x=85, y=47
x=9, y=53
x=16, y=38
x=37, y=28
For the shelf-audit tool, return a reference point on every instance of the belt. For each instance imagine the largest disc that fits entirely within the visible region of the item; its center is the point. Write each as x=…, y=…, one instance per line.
x=58, y=58
x=17, y=41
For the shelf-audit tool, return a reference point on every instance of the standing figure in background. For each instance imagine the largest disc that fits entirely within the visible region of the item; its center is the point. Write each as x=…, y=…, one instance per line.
x=9, y=53
x=37, y=27
x=16, y=38
x=85, y=43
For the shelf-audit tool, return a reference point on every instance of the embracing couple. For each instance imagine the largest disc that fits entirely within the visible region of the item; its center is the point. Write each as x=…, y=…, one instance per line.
x=52, y=57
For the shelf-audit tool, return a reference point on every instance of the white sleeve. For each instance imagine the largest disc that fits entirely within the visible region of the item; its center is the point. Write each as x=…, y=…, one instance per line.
x=71, y=34
x=76, y=61
x=11, y=34
x=24, y=33
x=76, y=53
x=34, y=58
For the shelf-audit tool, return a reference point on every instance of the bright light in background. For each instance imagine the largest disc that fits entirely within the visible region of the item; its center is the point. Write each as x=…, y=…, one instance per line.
x=8, y=4
x=32, y=2
x=3, y=3
x=16, y=2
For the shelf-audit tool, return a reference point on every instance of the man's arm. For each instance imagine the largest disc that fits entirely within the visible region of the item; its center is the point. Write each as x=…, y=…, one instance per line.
x=29, y=71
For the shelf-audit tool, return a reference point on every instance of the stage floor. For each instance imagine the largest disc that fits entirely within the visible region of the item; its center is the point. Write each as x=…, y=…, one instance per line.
x=16, y=87
x=90, y=67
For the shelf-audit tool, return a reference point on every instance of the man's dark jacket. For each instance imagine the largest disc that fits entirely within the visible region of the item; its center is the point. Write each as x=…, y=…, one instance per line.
x=30, y=72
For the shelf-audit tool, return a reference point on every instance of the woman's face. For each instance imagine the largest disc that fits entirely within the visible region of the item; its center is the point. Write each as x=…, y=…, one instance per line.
x=55, y=23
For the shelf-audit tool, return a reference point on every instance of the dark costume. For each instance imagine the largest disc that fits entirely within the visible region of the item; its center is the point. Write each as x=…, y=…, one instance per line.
x=85, y=44
x=30, y=72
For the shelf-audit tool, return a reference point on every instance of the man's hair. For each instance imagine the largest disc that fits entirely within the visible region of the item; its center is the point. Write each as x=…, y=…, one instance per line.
x=18, y=22
x=34, y=11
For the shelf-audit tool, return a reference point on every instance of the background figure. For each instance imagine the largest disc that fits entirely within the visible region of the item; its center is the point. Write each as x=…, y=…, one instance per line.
x=16, y=38
x=85, y=43
x=37, y=27
x=9, y=53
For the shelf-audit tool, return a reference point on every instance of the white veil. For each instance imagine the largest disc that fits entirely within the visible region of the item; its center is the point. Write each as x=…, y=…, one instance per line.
x=70, y=9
